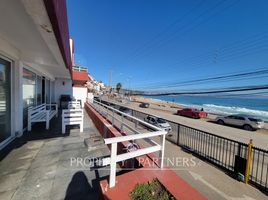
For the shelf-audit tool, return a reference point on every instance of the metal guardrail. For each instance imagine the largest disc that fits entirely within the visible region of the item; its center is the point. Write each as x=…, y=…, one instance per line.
x=111, y=112
x=218, y=150
x=222, y=151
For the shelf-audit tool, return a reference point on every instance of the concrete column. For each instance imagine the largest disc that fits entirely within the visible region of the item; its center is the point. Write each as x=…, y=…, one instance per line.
x=18, y=98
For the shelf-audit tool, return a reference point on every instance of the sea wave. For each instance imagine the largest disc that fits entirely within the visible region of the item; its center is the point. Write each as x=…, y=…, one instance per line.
x=235, y=110
x=224, y=110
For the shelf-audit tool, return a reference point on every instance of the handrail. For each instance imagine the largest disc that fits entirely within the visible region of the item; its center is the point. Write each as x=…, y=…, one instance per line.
x=183, y=124
x=114, y=158
x=127, y=115
x=133, y=137
x=79, y=68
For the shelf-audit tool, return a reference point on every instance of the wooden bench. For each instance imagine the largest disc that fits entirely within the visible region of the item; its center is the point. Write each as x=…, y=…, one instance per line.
x=72, y=117
x=41, y=114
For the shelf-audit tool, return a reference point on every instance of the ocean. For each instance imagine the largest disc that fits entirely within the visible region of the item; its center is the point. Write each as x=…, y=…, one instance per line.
x=222, y=105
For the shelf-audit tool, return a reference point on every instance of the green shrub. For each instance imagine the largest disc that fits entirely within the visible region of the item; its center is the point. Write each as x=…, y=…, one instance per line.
x=151, y=190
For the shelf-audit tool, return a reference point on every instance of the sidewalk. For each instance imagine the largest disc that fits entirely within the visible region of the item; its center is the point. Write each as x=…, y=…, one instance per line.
x=210, y=181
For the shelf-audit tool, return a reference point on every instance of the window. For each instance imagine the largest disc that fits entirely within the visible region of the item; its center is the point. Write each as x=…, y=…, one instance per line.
x=47, y=91
x=39, y=90
x=161, y=121
x=230, y=117
x=53, y=93
x=5, y=99
x=254, y=119
x=29, y=93
x=36, y=91
x=239, y=118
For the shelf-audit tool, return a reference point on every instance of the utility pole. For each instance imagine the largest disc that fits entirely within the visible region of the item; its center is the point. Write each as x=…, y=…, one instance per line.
x=110, y=81
x=110, y=78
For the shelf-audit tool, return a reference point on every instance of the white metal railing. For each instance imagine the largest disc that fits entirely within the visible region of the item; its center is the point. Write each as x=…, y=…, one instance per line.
x=109, y=111
x=80, y=69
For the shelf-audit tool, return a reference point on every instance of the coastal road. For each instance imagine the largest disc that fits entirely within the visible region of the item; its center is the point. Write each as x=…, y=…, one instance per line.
x=207, y=179
x=260, y=138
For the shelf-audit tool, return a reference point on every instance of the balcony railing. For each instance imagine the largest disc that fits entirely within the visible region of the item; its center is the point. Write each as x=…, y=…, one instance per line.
x=79, y=69
x=126, y=121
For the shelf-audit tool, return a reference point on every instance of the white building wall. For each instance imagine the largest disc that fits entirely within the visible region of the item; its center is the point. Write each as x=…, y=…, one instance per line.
x=62, y=86
x=90, y=97
x=40, y=49
x=80, y=93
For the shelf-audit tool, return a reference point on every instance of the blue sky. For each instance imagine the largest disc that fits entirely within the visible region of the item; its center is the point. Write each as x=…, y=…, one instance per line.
x=148, y=43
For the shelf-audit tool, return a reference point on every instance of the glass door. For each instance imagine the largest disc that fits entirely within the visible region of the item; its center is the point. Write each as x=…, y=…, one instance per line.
x=5, y=99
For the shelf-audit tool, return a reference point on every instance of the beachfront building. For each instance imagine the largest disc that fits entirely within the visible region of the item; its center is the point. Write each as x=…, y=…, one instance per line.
x=95, y=86
x=79, y=83
x=35, y=60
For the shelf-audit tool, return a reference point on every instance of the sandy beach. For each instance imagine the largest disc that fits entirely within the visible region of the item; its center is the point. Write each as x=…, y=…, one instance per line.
x=172, y=107
x=157, y=102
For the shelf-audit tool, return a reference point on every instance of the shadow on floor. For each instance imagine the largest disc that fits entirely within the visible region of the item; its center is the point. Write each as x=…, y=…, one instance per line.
x=79, y=188
x=38, y=132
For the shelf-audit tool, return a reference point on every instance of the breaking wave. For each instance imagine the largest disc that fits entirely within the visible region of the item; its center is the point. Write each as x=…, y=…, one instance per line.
x=235, y=110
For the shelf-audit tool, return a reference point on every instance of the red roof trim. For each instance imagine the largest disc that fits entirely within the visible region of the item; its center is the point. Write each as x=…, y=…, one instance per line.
x=57, y=12
x=80, y=76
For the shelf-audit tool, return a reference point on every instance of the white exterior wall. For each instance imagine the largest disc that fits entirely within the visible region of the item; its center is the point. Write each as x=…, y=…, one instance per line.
x=90, y=97
x=80, y=93
x=7, y=51
x=60, y=88
x=97, y=87
x=24, y=43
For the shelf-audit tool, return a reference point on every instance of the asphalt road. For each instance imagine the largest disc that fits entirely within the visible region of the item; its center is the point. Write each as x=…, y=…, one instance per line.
x=260, y=137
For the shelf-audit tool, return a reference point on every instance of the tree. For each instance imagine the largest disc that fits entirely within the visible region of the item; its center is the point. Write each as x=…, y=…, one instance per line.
x=118, y=87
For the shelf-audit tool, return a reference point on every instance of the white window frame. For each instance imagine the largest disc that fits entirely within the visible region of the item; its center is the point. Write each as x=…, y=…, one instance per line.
x=12, y=125
x=42, y=77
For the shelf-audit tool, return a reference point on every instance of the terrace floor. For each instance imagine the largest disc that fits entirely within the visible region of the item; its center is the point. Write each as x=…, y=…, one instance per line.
x=39, y=165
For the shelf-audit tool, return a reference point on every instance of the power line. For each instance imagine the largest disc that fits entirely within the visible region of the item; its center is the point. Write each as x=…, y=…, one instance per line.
x=189, y=24
x=248, y=44
x=164, y=31
x=226, y=90
x=229, y=77
x=189, y=28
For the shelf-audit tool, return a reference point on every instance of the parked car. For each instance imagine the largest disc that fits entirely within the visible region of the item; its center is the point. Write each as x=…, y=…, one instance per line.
x=125, y=110
x=159, y=122
x=249, y=123
x=192, y=112
x=144, y=105
x=96, y=98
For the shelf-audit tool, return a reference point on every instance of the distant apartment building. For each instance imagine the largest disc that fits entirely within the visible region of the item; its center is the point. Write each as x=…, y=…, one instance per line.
x=35, y=60
x=94, y=85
